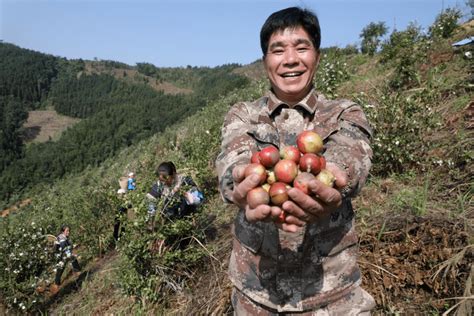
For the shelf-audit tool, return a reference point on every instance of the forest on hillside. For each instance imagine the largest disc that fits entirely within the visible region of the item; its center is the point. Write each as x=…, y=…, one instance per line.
x=414, y=216
x=116, y=113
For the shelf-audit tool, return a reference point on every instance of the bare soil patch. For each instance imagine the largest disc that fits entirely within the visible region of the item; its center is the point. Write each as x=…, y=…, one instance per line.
x=44, y=125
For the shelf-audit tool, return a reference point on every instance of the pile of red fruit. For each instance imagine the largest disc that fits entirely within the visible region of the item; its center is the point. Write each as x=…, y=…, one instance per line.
x=290, y=167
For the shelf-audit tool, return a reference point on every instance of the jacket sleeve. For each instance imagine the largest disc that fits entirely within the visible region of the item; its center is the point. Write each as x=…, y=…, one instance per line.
x=349, y=148
x=236, y=147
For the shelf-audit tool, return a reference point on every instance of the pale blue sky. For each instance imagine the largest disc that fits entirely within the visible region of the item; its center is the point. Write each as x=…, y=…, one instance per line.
x=171, y=33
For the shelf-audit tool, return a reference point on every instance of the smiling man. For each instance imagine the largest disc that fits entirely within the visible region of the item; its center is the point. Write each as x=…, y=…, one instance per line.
x=306, y=265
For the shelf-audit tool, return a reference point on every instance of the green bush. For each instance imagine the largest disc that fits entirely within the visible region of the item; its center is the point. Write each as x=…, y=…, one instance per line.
x=405, y=51
x=331, y=73
x=399, y=122
x=25, y=260
x=445, y=24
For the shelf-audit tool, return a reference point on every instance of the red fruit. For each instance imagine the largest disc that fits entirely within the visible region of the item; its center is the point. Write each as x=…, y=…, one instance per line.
x=302, y=180
x=286, y=170
x=258, y=169
x=269, y=156
x=255, y=157
x=326, y=177
x=309, y=142
x=257, y=196
x=278, y=193
x=290, y=152
x=310, y=163
x=322, y=161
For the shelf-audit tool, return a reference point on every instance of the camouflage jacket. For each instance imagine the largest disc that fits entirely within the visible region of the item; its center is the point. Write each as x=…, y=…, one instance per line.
x=316, y=265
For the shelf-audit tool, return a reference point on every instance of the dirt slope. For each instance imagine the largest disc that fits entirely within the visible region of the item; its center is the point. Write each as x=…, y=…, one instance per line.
x=44, y=125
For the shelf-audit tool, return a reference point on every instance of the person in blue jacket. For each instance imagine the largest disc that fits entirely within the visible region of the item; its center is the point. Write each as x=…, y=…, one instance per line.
x=131, y=182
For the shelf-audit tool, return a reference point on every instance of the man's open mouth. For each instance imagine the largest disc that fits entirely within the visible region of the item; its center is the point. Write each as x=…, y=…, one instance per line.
x=292, y=74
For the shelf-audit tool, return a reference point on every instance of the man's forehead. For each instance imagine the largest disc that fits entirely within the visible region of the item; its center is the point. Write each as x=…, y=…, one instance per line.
x=296, y=34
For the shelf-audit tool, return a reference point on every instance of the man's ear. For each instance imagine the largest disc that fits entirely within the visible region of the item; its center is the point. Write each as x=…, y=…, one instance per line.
x=318, y=58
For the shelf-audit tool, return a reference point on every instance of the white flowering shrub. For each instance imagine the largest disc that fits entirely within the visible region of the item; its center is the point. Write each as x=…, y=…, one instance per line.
x=331, y=73
x=26, y=264
x=399, y=124
x=445, y=23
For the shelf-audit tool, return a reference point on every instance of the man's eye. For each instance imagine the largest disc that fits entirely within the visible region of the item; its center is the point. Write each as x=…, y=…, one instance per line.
x=277, y=51
x=302, y=49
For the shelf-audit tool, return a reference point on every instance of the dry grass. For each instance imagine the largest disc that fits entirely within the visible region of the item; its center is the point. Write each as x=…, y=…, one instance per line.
x=44, y=125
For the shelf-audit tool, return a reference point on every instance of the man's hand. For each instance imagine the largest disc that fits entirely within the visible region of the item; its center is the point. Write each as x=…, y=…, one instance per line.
x=262, y=212
x=319, y=204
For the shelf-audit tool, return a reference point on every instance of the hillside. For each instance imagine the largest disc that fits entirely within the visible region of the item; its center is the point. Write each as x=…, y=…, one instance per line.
x=107, y=106
x=134, y=76
x=415, y=216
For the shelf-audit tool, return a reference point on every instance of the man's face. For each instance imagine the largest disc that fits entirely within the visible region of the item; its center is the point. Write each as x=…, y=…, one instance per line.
x=291, y=62
x=66, y=231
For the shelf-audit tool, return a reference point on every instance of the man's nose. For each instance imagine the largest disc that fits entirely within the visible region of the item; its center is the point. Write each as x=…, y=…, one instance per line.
x=291, y=57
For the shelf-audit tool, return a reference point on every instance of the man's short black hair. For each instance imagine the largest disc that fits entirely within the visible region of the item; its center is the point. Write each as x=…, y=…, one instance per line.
x=167, y=168
x=290, y=18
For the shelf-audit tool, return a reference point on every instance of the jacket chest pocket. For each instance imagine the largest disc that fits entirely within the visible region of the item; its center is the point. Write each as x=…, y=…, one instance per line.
x=264, y=135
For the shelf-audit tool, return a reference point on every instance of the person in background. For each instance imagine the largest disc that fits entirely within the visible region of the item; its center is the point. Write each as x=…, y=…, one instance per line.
x=173, y=194
x=121, y=212
x=308, y=264
x=64, y=254
x=131, y=182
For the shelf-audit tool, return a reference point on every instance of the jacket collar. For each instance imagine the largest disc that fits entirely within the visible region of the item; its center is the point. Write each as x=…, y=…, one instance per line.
x=308, y=103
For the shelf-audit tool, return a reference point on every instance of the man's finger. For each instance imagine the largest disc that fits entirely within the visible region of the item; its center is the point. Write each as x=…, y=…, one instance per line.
x=339, y=174
x=238, y=173
x=259, y=213
x=325, y=194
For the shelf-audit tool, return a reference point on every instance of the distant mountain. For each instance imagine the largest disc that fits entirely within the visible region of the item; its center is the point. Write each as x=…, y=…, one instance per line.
x=119, y=105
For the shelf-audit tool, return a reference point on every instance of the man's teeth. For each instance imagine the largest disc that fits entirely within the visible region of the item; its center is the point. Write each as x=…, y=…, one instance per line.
x=292, y=74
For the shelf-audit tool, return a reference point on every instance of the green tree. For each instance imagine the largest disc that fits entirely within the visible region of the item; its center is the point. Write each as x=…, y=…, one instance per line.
x=12, y=116
x=371, y=37
x=445, y=24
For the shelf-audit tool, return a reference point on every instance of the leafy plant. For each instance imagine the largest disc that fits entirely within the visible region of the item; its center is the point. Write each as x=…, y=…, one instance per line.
x=331, y=73
x=405, y=50
x=398, y=122
x=445, y=23
x=371, y=35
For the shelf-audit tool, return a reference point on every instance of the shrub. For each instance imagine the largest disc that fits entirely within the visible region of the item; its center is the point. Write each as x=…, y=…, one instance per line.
x=26, y=262
x=331, y=73
x=405, y=51
x=445, y=23
x=399, y=122
x=152, y=269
